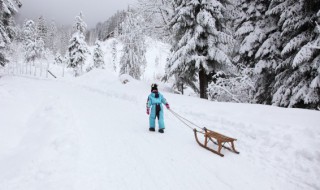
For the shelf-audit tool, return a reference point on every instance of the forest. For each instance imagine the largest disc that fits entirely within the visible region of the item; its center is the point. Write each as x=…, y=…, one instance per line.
x=245, y=51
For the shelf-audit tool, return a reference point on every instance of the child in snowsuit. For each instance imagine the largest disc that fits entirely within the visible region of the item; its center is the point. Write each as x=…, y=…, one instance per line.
x=155, y=101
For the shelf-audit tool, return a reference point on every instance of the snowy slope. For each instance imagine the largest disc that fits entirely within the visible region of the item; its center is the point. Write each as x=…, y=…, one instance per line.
x=92, y=133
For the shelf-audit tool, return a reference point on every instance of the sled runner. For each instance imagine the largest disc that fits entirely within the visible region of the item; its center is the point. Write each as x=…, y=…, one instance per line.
x=217, y=139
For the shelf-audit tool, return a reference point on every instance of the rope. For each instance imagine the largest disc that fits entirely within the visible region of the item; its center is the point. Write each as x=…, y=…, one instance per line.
x=186, y=121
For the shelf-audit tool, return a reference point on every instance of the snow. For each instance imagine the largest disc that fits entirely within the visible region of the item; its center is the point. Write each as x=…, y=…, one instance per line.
x=156, y=57
x=91, y=132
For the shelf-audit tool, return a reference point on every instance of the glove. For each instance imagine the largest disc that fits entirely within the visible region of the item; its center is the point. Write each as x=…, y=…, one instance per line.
x=148, y=111
x=167, y=106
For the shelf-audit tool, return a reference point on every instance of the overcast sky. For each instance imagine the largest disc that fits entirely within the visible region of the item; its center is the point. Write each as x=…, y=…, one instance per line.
x=64, y=11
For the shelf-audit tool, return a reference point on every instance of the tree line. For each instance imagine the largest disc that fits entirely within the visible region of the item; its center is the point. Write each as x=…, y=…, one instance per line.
x=251, y=51
x=257, y=51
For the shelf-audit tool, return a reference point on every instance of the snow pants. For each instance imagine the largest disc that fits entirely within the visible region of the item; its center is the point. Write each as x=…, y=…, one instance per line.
x=156, y=112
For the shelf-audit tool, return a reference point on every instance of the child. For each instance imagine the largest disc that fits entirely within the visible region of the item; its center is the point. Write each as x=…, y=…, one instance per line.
x=155, y=101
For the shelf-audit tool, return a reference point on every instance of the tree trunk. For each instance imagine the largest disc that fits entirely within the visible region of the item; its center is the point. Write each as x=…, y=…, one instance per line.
x=203, y=80
x=182, y=88
x=47, y=69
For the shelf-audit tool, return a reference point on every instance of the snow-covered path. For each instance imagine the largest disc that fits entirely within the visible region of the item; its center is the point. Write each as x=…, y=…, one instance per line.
x=92, y=133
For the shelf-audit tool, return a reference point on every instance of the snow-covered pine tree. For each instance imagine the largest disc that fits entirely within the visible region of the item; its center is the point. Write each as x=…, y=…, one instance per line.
x=77, y=53
x=98, y=56
x=316, y=63
x=296, y=81
x=42, y=29
x=259, y=39
x=78, y=47
x=184, y=80
x=226, y=88
x=33, y=45
x=7, y=10
x=62, y=40
x=133, y=59
x=34, y=49
x=58, y=59
x=200, y=36
x=80, y=26
x=51, y=37
x=252, y=28
x=29, y=32
x=114, y=54
x=157, y=14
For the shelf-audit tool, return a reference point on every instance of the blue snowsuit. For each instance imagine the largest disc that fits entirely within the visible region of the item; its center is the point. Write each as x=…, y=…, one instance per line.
x=156, y=109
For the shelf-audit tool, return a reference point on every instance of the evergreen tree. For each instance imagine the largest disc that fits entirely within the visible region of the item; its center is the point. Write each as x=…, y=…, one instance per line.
x=62, y=40
x=78, y=47
x=114, y=54
x=7, y=10
x=29, y=32
x=52, y=36
x=296, y=82
x=33, y=44
x=226, y=88
x=98, y=56
x=42, y=30
x=252, y=28
x=259, y=39
x=133, y=59
x=80, y=26
x=58, y=59
x=199, y=40
x=157, y=15
x=112, y=25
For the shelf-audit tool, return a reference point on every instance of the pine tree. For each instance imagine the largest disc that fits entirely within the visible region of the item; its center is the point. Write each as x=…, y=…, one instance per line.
x=260, y=43
x=226, y=88
x=78, y=47
x=199, y=40
x=58, y=59
x=252, y=28
x=42, y=30
x=98, y=56
x=114, y=54
x=315, y=84
x=52, y=36
x=33, y=44
x=296, y=82
x=62, y=40
x=8, y=9
x=133, y=59
x=29, y=32
x=77, y=53
x=157, y=14
x=80, y=26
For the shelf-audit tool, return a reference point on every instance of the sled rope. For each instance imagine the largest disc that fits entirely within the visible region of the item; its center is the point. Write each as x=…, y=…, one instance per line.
x=209, y=135
x=184, y=120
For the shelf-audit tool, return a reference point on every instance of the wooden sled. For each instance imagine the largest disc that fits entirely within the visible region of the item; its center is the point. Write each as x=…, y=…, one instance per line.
x=217, y=139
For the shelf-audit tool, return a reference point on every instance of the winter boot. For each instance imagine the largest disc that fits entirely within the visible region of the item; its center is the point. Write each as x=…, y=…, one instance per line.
x=161, y=131
x=151, y=129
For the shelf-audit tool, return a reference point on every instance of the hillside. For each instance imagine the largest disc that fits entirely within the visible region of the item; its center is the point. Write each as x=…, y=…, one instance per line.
x=92, y=133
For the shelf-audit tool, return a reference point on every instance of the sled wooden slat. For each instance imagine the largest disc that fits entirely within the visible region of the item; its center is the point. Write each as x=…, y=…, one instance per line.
x=217, y=139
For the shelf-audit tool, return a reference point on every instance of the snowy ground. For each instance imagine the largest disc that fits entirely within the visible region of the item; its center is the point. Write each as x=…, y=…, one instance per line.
x=91, y=133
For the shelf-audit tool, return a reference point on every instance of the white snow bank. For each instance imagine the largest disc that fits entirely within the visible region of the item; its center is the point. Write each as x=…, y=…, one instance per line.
x=92, y=133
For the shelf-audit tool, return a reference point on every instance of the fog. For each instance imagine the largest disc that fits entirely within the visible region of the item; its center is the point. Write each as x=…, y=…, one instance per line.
x=64, y=11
